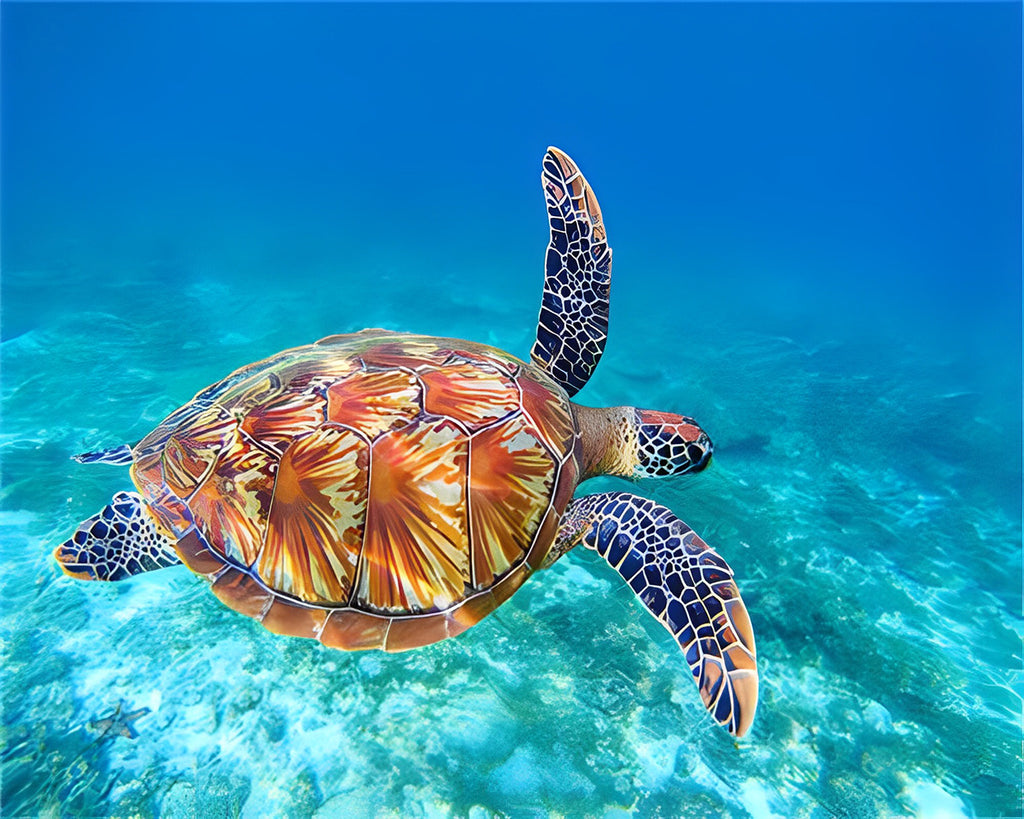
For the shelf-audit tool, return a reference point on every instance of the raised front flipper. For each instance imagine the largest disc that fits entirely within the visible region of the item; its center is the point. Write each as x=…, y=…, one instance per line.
x=686, y=586
x=117, y=542
x=573, y=324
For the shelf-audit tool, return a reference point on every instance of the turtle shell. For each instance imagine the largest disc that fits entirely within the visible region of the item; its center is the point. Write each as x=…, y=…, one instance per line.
x=372, y=490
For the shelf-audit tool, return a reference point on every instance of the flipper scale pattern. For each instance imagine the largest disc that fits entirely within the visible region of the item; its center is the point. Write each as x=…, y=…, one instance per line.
x=684, y=584
x=573, y=323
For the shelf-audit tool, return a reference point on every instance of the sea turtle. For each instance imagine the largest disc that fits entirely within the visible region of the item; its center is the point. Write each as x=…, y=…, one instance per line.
x=385, y=490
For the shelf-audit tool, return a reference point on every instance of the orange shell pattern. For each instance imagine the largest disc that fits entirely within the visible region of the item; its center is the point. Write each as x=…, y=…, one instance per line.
x=373, y=490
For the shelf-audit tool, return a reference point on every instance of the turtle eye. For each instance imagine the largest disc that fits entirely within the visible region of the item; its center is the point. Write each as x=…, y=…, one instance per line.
x=669, y=444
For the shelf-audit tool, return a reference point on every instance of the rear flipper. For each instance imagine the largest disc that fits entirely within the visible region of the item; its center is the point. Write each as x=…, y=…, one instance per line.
x=686, y=586
x=119, y=455
x=117, y=542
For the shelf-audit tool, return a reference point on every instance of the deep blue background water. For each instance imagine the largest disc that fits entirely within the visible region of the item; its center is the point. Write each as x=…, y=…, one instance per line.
x=816, y=217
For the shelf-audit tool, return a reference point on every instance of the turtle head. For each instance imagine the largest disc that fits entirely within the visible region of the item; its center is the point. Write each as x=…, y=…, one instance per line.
x=639, y=443
x=669, y=444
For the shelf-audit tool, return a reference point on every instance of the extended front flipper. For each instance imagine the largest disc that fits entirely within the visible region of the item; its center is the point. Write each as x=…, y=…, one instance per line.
x=573, y=324
x=117, y=542
x=686, y=586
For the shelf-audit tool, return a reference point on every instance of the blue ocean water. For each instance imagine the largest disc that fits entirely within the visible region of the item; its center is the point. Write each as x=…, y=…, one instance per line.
x=816, y=218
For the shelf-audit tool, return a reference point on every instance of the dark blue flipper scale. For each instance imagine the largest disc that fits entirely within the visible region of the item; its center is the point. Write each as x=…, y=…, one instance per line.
x=573, y=324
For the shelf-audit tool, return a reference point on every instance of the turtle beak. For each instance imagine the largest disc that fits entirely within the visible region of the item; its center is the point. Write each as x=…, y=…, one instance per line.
x=699, y=452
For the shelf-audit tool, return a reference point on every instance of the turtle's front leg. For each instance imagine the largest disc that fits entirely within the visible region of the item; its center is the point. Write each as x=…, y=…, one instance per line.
x=686, y=586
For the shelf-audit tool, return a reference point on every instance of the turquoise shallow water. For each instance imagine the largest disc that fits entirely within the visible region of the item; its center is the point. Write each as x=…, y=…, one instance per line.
x=840, y=312
x=881, y=575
